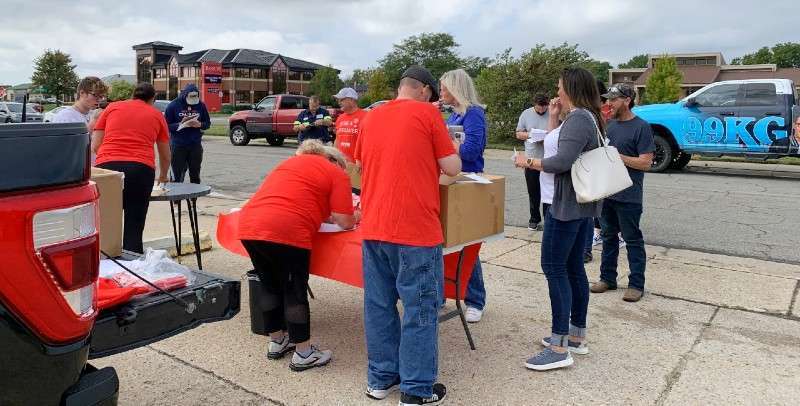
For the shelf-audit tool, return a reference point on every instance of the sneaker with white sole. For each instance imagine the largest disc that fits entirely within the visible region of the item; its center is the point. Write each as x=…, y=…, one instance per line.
x=277, y=350
x=549, y=359
x=473, y=315
x=621, y=242
x=579, y=348
x=380, y=394
x=317, y=358
x=597, y=240
x=439, y=393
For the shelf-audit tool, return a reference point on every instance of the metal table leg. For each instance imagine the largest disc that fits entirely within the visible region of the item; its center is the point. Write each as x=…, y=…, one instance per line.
x=175, y=228
x=459, y=310
x=193, y=222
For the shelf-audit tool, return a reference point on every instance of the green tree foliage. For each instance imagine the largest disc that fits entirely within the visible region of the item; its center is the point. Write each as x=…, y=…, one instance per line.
x=475, y=64
x=664, y=84
x=378, y=86
x=638, y=61
x=785, y=55
x=435, y=51
x=120, y=90
x=509, y=84
x=55, y=72
x=325, y=84
x=598, y=68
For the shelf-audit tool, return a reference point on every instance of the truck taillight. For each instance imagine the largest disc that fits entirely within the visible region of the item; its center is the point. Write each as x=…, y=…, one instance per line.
x=66, y=242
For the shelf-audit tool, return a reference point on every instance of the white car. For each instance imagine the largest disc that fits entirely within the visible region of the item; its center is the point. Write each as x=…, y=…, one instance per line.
x=48, y=117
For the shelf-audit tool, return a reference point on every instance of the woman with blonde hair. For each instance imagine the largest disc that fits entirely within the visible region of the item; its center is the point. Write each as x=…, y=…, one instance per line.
x=276, y=227
x=458, y=90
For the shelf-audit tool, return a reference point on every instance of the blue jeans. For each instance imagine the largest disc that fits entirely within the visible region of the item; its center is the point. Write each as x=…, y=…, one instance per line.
x=406, y=351
x=589, y=235
x=622, y=217
x=563, y=243
x=476, y=292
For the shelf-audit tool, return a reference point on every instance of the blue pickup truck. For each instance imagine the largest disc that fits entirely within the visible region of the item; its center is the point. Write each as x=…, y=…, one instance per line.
x=748, y=118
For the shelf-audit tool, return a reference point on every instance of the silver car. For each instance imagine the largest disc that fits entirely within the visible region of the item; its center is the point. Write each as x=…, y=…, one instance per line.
x=11, y=112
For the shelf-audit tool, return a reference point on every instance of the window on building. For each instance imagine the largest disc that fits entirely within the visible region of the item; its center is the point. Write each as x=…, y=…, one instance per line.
x=173, y=70
x=259, y=73
x=226, y=72
x=295, y=75
x=759, y=94
x=308, y=75
x=226, y=97
x=719, y=96
x=242, y=72
x=242, y=97
x=161, y=73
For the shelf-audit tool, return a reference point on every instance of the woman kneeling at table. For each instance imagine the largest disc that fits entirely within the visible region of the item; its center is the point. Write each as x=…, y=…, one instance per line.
x=276, y=228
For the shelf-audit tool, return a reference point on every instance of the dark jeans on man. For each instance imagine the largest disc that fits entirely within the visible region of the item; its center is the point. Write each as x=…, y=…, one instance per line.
x=622, y=217
x=136, y=192
x=534, y=194
x=283, y=271
x=563, y=243
x=402, y=350
x=183, y=157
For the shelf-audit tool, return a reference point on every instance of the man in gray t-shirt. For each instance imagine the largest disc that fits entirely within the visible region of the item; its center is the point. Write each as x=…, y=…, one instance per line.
x=531, y=128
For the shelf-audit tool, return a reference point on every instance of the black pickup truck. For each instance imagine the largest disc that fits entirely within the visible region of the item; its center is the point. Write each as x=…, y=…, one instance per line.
x=49, y=322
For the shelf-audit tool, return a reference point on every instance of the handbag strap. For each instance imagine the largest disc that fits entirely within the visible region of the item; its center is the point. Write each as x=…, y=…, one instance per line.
x=600, y=139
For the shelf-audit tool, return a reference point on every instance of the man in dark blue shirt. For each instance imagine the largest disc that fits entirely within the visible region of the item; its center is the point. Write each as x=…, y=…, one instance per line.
x=622, y=212
x=313, y=123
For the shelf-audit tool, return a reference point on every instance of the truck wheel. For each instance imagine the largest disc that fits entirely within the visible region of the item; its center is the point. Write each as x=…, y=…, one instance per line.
x=680, y=162
x=663, y=155
x=275, y=140
x=238, y=135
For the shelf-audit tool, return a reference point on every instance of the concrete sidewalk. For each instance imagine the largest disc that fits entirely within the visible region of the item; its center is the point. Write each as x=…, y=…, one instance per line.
x=711, y=330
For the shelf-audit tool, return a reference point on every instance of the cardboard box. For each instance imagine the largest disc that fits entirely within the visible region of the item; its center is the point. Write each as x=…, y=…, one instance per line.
x=109, y=184
x=355, y=175
x=471, y=211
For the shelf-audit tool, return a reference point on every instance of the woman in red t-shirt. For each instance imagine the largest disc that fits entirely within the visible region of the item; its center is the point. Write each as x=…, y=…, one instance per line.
x=276, y=227
x=123, y=139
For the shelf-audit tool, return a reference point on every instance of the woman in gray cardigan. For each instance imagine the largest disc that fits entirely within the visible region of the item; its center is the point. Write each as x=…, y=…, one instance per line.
x=565, y=223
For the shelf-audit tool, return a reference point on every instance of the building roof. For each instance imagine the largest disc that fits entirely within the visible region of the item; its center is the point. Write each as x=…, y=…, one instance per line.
x=115, y=78
x=157, y=44
x=23, y=86
x=780, y=73
x=245, y=57
x=691, y=74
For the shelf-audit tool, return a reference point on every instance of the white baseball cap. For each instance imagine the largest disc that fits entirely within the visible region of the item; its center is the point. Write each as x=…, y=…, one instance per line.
x=347, y=93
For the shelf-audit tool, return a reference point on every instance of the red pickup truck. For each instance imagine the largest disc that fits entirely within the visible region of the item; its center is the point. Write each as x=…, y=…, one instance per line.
x=50, y=324
x=272, y=118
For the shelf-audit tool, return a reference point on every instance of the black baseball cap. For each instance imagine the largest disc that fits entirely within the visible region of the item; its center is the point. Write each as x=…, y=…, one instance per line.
x=423, y=75
x=620, y=90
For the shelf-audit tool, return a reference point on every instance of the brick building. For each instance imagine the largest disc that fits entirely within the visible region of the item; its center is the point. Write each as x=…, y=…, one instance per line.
x=701, y=69
x=248, y=75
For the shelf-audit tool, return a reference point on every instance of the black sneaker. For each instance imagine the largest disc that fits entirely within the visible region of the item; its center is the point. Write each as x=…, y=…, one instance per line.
x=535, y=226
x=587, y=257
x=439, y=393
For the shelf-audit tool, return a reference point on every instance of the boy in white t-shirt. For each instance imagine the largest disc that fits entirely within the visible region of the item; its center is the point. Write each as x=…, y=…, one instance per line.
x=91, y=92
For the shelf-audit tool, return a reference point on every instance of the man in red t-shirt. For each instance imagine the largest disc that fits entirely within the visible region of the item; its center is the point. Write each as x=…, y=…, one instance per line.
x=349, y=122
x=402, y=147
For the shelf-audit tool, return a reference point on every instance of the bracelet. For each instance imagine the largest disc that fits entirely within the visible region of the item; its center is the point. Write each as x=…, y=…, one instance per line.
x=529, y=162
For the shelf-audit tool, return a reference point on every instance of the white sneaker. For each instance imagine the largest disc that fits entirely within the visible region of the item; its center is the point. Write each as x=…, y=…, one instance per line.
x=473, y=315
x=597, y=240
x=278, y=350
x=380, y=394
x=317, y=358
x=621, y=241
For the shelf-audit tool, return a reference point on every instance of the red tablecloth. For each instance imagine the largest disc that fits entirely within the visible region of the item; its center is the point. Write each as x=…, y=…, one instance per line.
x=337, y=256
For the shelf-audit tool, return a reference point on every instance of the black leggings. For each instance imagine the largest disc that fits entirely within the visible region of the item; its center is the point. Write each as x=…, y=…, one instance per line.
x=283, y=271
x=138, y=185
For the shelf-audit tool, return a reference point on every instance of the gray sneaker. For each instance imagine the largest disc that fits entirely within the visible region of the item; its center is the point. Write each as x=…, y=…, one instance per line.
x=579, y=348
x=380, y=394
x=317, y=358
x=278, y=350
x=549, y=359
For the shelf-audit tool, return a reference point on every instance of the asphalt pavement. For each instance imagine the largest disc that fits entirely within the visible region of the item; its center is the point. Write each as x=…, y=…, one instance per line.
x=737, y=212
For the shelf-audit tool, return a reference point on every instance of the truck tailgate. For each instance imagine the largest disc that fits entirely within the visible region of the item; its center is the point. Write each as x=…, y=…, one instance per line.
x=145, y=320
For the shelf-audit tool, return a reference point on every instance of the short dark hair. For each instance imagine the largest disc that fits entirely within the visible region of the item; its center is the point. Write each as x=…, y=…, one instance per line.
x=144, y=91
x=314, y=98
x=541, y=100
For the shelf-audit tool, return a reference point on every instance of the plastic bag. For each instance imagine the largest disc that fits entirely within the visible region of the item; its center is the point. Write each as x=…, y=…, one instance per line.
x=156, y=266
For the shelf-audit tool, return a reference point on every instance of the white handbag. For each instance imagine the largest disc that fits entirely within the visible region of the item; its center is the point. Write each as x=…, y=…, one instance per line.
x=599, y=173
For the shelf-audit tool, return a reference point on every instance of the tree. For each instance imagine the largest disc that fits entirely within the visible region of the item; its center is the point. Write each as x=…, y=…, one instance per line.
x=598, y=68
x=325, y=84
x=55, y=72
x=638, y=61
x=120, y=90
x=358, y=77
x=784, y=55
x=434, y=51
x=378, y=87
x=664, y=84
x=475, y=64
x=509, y=84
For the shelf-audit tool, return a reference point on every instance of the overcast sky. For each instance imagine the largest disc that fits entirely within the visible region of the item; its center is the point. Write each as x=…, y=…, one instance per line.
x=356, y=33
